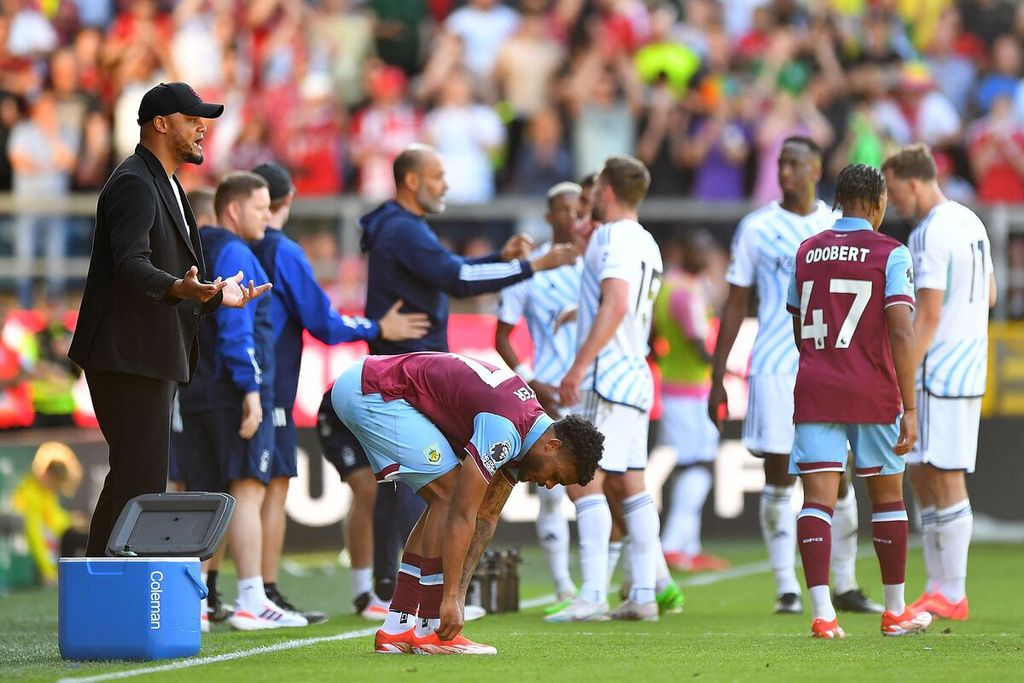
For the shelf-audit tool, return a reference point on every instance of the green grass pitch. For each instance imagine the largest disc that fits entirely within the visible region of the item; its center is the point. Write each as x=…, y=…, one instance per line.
x=727, y=633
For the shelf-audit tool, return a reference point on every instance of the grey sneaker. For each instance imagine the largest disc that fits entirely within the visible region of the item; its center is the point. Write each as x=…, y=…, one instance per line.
x=580, y=610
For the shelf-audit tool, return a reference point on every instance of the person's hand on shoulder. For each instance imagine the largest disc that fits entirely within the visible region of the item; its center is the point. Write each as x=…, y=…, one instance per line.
x=557, y=256
x=517, y=248
x=395, y=326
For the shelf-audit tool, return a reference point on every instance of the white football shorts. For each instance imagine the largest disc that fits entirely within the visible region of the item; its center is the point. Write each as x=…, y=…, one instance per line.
x=624, y=428
x=947, y=436
x=688, y=429
x=768, y=427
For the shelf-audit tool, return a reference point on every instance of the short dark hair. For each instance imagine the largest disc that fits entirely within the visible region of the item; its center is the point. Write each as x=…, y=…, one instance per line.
x=859, y=185
x=584, y=442
x=628, y=177
x=913, y=161
x=201, y=201
x=410, y=160
x=233, y=187
x=588, y=180
x=812, y=146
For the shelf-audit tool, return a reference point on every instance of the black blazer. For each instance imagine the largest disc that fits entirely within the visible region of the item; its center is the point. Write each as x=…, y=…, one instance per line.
x=127, y=322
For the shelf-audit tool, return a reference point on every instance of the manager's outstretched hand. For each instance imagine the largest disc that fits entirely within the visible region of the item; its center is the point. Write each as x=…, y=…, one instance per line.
x=190, y=287
x=235, y=296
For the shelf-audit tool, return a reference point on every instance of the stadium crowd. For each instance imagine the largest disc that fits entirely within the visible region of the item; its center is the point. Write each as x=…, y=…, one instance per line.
x=702, y=91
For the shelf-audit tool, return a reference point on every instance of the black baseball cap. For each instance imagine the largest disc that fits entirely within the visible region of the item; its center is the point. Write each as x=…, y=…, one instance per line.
x=176, y=98
x=278, y=179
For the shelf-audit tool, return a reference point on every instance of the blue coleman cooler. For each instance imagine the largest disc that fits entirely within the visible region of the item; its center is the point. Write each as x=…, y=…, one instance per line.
x=144, y=602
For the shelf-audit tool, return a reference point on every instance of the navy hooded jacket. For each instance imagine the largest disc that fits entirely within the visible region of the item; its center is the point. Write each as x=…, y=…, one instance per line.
x=238, y=343
x=407, y=261
x=296, y=303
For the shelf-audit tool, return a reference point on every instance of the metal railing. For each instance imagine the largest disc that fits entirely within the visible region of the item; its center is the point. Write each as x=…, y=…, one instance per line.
x=341, y=216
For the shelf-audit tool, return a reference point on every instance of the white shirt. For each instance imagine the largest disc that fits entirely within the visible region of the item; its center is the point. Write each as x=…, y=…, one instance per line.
x=181, y=206
x=764, y=252
x=541, y=299
x=626, y=251
x=952, y=253
x=483, y=32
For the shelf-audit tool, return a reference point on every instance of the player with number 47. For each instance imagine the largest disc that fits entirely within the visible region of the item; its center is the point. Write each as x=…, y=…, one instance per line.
x=852, y=301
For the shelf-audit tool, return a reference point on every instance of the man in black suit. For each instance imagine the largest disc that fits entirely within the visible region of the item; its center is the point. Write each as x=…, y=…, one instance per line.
x=144, y=295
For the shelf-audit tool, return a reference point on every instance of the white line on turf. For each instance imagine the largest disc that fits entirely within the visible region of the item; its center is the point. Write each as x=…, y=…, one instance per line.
x=238, y=654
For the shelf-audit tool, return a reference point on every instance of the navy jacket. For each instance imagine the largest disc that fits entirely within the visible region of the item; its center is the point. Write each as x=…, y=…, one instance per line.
x=408, y=262
x=298, y=303
x=239, y=342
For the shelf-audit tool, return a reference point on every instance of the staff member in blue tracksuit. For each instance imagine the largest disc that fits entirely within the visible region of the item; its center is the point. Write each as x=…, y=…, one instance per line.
x=300, y=304
x=407, y=262
x=225, y=441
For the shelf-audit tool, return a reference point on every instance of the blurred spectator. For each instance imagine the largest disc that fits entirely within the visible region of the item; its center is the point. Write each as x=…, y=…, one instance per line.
x=466, y=134
x=662, y=135
x=15, y=396
x=986, y=19
x=79, y=111
x=604, y=101
x=398, y=32
x=526, y=65
x=31, y=33
x=42, y=152
x=252, y=146
x=52, y=532
x=543, y=159
x=996, y=148
x=313, y=150
x=196, y=43
x=956, y=188
x=483, y=26
x=386, y=126
x=9, y=116
x=137, y=72
x=342, y=37
x=720, y=145
x=932, y=118
x=664, y=57
x=1004, y=74
x=787, y=115
x=954, y=73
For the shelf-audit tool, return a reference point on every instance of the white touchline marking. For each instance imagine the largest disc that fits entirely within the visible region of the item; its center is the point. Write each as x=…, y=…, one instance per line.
x=238, y=654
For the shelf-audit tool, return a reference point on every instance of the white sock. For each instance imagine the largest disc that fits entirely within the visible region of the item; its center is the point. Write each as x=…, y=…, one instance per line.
x=682, y=526
x=594, y=523
x=663, y=575
x=425, y=627
x=644, y=546
x=553, y=533
x=615, y=550
x=932, y=561
x=778, y=528
x=361, y=580
x=894, y=600
x=398, y=622
x=844, y=543
x=250, y=592
x=821, y=603
x=954, y=536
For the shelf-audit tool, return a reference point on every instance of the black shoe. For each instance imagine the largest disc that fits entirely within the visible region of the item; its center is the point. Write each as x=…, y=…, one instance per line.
x=789, y=603
x=216, y=610
x=856, y=601
x=311, y=617
x=360, y=602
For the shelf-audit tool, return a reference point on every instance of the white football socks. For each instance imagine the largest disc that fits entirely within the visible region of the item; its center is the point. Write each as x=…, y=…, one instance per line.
x=642, y=525
x=594, y=524
x=398, y=622
x=250, y=593
x=844, y=543
x=361, y=580
x=821, y=603
x=894, y=599
x=424, y=627
x=615, y=550
x=682, y=525
x=778, y=528
x=954, y=537
x=553, y=533
x=930, y=540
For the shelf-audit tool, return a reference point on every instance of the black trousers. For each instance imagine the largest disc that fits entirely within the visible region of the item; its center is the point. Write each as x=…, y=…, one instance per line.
x=134, y=414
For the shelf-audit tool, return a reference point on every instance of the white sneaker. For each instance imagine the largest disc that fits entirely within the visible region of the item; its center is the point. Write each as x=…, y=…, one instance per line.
x=580, y=610
x=375, y=610
x=631, y=611
x=264, y=616
x=473, y=612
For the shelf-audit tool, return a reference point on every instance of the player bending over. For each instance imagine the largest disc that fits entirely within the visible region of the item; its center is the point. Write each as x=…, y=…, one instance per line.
x=852, y=301
x=407, y=411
